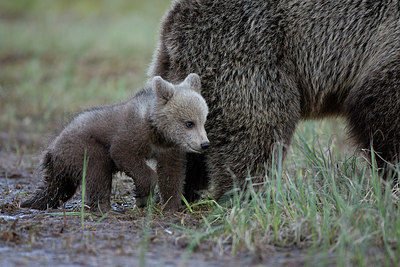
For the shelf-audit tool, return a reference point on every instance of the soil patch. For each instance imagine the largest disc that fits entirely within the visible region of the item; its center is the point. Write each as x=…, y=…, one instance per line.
x=125, y=236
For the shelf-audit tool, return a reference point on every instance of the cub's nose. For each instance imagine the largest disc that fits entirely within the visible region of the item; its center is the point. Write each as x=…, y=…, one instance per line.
x=205, y=145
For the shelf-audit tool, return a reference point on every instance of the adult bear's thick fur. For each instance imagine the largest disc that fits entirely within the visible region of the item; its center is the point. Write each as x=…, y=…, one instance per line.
x=266, y=65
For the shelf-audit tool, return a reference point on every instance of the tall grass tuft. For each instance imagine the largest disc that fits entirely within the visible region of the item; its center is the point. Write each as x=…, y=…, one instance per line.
x=85, y=164
x=146, y=231
x=338, y=209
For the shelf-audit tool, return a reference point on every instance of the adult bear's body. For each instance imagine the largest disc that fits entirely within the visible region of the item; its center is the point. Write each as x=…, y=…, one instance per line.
x=265, y=65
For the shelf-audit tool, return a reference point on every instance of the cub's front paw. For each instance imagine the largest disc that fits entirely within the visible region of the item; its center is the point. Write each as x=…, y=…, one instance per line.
x=172, y=205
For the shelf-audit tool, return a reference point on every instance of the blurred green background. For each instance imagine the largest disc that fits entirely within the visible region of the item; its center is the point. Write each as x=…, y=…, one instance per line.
x=60, y=56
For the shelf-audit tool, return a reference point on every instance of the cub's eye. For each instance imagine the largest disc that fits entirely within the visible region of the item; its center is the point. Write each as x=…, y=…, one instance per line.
x=189, y=124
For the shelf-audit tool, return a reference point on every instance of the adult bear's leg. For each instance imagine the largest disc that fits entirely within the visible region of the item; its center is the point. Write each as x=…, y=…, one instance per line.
x=373, y=111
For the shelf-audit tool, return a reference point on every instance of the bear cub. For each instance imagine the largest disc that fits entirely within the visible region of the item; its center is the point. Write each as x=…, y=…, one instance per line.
x=161, y=122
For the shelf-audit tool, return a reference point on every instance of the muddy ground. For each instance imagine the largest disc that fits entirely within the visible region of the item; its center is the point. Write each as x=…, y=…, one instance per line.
x=126, y=236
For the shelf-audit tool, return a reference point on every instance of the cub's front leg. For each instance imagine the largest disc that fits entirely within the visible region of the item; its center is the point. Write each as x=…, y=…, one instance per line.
x=171, y=170
x=131, y=161
x=145, y=181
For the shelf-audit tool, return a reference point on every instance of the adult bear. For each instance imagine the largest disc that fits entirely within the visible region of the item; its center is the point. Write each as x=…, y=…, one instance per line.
x=266, y=65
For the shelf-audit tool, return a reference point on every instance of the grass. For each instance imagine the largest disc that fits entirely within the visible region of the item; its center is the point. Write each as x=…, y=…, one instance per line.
x=334, y=206
x=83, y=187
x=59, y=57
x=146, y=234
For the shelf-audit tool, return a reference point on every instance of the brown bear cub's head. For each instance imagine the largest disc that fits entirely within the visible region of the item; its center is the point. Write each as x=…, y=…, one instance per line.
x=180, y=113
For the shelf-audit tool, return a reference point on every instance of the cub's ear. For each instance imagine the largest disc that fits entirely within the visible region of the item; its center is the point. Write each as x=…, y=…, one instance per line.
x=164, y=90
x=194, y=82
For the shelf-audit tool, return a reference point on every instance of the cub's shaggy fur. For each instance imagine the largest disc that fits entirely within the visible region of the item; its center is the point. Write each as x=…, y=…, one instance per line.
x=266, y=65
x=161, y=122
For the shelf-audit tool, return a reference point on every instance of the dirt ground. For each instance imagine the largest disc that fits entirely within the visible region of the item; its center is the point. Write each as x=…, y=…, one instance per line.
x=127, y=236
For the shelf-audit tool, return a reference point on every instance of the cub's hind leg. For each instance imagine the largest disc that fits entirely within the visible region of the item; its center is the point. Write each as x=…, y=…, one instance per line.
x=99, y=171
x=58, y=184
x=71, y=152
